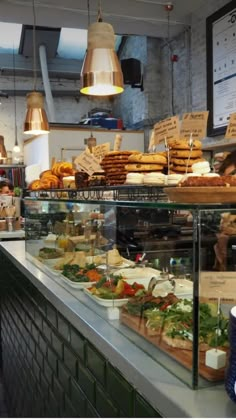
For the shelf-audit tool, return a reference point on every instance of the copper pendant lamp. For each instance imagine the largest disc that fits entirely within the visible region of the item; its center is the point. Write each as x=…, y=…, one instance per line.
x=101, y=73
x=36, y=121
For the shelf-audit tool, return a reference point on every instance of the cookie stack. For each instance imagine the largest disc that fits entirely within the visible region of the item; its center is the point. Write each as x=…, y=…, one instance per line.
x=114, y=165
x=182, y=157
x=146, y=162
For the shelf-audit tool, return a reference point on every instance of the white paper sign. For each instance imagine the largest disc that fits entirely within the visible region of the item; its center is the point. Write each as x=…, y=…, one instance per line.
x=88, y=163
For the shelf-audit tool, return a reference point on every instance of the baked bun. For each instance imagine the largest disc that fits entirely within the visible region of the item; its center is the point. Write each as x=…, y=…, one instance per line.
x=35, y=185
x=50, y=181
x=184, y=144
x=62, y=169
x=45, y=173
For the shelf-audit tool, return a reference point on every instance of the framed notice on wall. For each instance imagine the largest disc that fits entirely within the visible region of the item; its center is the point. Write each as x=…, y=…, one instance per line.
x=221, y=67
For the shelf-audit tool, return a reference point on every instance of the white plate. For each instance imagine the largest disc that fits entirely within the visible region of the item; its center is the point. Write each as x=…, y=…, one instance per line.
x=141, y=275
x=106, y=302
x=183, y=288
x=76, y=285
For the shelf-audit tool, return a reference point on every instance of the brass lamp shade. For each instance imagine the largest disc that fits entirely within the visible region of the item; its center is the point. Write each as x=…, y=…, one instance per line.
x=101, y=73
x=36, y=119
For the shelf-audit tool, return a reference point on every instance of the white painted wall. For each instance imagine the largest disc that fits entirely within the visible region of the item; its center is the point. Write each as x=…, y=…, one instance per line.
x=42, y=149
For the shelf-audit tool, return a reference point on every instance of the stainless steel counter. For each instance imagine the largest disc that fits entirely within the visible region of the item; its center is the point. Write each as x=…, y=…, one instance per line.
x=165, y=392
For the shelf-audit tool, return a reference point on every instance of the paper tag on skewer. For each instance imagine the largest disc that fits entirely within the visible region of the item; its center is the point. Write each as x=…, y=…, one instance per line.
x=215, y=285
x=167, y=129
x=194, y=123
x=88, y=163
x=101, y=150
x=231, y=128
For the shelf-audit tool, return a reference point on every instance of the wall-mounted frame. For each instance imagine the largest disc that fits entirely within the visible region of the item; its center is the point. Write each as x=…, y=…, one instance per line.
x=221, y=67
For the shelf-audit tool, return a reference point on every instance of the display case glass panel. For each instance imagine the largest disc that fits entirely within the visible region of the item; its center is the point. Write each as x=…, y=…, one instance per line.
x=147, y=267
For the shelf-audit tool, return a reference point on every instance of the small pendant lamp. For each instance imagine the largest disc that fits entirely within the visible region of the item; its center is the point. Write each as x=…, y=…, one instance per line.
x=36, y=121
x=101, y=73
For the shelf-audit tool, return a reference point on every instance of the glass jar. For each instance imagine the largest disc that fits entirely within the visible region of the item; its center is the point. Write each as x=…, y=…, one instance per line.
x=62, y=241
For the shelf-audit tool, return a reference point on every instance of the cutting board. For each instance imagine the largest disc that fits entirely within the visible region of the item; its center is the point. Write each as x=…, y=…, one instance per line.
x=184, y=357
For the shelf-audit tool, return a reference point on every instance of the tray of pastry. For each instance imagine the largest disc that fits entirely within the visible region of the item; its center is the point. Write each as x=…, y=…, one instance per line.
x=202, y=194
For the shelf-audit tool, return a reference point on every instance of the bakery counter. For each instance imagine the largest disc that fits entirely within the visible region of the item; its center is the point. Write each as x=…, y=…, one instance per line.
x=63, y=359
x=15, y=234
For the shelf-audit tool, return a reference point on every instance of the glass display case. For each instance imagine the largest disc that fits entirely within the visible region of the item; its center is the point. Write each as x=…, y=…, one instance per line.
x=162, y=273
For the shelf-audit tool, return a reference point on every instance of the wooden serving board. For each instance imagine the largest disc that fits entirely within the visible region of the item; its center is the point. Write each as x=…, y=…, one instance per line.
x=184, y=357
x=201, y=194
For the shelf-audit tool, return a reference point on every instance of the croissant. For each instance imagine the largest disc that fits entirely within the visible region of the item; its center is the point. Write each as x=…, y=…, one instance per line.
x=61, y=169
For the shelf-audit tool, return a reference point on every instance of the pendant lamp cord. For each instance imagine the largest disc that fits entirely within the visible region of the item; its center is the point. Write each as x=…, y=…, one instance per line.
x=34, y=47
x=14, y=90
x=88, y=3
x=99, y=11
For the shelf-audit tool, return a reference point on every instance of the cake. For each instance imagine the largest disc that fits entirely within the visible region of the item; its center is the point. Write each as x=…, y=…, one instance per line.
x=68, y=181
x=201, y=167
x=154, y=178
x=134, y=178
x=174, y=179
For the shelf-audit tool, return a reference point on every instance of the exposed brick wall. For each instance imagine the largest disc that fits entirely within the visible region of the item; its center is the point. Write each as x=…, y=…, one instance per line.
x=189, y=73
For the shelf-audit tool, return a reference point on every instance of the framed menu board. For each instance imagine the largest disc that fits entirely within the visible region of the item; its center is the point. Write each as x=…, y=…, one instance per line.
x=221, y=67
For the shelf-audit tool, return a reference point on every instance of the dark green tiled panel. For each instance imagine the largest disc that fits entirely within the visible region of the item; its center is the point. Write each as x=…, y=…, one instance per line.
x=77, y=398
x=58, y=392
x=70, y=360
x=143, y=409
x=50, y=369
x=120, y=391
x=104, y=406
x=96, y=364
x=87, y=383
x=64, y=376
x=69, y=409
x=91, y=412
x=43, y=345
x=51, y=313
x=77, y=342
x=52, y=359
x=57, y=344
x=63, y=328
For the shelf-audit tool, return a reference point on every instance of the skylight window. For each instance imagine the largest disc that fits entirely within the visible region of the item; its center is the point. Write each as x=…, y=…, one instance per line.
x=72, y=43
x=12, y=39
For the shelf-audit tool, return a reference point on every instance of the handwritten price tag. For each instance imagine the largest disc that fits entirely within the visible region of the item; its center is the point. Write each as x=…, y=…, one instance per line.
x=166, y=129
x=195, y=124
x=101, y=150
x=214, y=285
x=231, y=129
x=88, y=162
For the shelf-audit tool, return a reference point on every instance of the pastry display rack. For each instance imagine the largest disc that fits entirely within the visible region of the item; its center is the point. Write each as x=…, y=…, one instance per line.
x=119, y=192
x=115, y=239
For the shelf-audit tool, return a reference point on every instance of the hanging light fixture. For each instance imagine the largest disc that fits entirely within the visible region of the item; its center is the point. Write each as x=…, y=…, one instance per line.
x=101, y=73
x=16, y=147
x=36, y=121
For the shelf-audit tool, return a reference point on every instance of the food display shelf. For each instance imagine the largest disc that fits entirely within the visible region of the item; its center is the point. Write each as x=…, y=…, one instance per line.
x=114, y=193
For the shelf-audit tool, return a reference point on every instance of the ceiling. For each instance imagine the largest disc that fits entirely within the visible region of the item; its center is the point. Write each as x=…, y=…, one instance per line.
x=128, y=17
x=136, y=17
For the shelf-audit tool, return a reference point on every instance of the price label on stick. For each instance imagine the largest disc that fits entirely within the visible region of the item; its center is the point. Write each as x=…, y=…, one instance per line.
x=101, y=150
x=231, y=129
x=214, y=285
x=194, y=124
x=88, y=163
x=167, y=129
